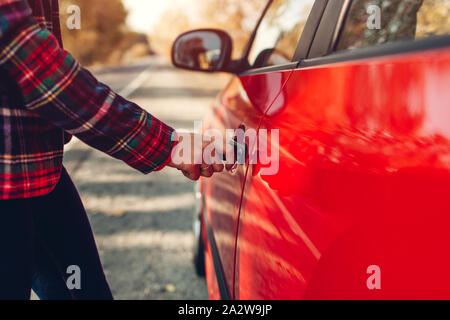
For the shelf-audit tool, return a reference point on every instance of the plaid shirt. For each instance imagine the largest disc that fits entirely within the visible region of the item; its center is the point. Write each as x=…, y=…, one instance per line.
x=44, y=92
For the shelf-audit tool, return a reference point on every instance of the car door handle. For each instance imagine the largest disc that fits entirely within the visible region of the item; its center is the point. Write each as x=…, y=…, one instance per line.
x=240, y=152
x=240, y=148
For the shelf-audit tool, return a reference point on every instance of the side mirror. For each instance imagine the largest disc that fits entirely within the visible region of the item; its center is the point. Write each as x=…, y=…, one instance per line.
x=205, y=50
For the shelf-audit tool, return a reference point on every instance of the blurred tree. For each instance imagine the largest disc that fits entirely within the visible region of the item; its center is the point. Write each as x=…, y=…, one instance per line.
x=171, y=24
x=400, y=20
x=103, y=37
x=236, y=17
x=433, y=18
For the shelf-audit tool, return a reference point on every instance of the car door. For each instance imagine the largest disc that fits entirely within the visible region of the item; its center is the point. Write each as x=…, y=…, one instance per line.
x=241, y=105
x=237, y=108
x=359, y=206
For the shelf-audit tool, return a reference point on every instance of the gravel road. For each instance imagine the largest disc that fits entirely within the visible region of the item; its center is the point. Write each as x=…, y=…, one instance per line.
x=142, y=224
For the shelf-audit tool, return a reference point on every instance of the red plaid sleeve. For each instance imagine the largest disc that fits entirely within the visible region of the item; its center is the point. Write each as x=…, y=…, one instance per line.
x=57, y=88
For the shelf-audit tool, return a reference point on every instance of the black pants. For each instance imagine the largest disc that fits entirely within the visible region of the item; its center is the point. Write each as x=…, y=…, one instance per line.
x=47, y=243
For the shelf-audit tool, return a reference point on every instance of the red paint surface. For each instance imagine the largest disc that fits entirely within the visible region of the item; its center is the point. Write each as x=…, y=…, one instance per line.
x=233, y=108
x=364, y=180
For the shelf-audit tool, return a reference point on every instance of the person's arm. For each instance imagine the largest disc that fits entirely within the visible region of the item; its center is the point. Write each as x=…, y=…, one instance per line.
x=57, y=88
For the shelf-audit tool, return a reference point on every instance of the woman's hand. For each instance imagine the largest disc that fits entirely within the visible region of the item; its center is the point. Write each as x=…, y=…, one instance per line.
x=196, y=155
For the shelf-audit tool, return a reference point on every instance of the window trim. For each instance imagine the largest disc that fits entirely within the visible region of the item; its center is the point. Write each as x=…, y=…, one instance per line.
x=263, y=70
x=333, y=19
x=250, y=42
x=387, y=49
x=329, y=28
x=329, y=55
x=303, y=45
x=312, y=24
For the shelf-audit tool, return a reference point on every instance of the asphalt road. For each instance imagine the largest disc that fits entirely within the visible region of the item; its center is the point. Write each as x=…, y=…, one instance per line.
x=142, y=224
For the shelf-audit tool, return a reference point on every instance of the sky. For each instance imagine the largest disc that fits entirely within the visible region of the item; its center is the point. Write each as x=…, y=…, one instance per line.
x=144, y=14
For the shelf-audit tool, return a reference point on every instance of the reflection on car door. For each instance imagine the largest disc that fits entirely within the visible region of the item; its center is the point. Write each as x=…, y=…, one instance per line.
x=363, y=179
x=242, y=103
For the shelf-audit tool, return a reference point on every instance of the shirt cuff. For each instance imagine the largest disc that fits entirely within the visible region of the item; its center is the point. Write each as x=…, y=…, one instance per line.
x=149, y=148
x=169, y=158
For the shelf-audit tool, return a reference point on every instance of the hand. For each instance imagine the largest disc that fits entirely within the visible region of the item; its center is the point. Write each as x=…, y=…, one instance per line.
x=196, y=156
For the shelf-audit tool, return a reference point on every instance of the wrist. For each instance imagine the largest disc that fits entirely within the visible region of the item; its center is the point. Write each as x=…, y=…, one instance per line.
x=168, y=162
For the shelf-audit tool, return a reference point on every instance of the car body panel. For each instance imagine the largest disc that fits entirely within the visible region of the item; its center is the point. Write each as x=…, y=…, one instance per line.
x=210, y=273
x=238, y=104
x=364, y=180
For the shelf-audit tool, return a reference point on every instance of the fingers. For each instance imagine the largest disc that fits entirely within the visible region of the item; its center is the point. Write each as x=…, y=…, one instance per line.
x=216, y=158
x=206, y=171
x=215, y=161
x=197, y=171
x=197, y=159
x=230, y=154
x=193, y=173
x=218, y=167
x=230, y=166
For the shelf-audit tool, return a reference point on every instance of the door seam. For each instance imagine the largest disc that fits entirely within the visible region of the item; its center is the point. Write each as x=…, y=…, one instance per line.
x=233, y=294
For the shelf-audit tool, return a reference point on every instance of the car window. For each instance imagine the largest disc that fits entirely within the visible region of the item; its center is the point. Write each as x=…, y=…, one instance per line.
x=374, y=22
x=279, y=32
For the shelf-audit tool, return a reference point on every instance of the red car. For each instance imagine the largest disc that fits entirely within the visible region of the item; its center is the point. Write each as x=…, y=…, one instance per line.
x=358, y=206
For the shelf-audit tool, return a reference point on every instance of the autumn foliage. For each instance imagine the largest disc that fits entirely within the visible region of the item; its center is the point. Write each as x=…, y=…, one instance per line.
x=104, y=36
x=237, y=17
